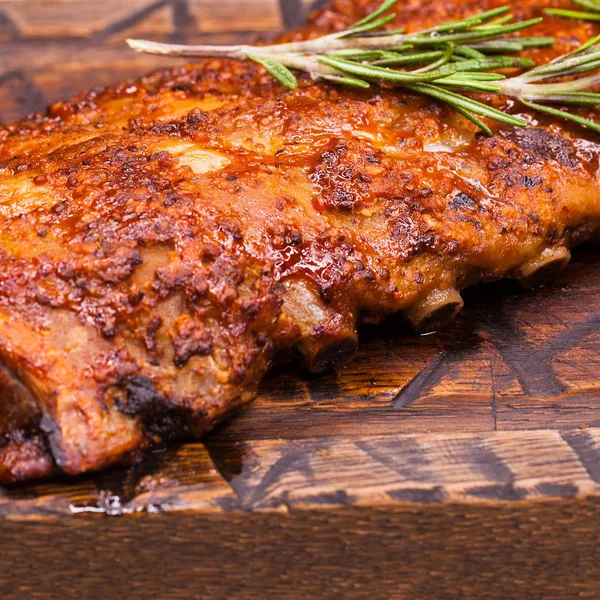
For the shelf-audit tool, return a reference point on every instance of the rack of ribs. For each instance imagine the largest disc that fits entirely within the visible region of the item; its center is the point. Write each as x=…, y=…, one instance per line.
x=163, y=240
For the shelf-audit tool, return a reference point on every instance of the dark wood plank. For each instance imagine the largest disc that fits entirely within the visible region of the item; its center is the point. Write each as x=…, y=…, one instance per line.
x=216, y=16
x=285, y=474
x=31, y=19
x=522, y=551
x=414, y=468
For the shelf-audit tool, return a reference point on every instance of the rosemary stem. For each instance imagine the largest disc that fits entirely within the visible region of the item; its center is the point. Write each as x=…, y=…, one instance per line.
x=324, y=45
x=301, y=63
x=240, y=52
x=519, y=87
x=235, y=52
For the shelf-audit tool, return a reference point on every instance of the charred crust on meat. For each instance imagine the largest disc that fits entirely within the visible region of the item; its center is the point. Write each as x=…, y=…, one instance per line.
x=462, y=200
x=190, y=338
x=53, y=436
x=161, y=420
x=530, y=182
x=167, y=424
x=342, y=177
x=151, y=332
x=543, y=144
x=142, y=395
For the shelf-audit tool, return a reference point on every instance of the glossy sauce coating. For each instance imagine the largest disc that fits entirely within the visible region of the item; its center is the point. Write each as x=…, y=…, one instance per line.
x=162, y=240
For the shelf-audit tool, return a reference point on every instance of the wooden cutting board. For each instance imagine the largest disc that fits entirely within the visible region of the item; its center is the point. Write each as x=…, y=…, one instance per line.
x=464, y=464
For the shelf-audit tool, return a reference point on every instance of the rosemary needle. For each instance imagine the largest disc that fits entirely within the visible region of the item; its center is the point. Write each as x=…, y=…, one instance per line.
x=592, y=12
x=447, y=62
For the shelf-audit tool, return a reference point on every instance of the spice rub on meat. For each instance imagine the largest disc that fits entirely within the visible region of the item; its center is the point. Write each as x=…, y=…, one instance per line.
x=161, y=241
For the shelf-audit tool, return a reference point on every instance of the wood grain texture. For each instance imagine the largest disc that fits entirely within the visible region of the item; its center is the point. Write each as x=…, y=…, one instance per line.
x=532, y=551
x=285, y=475
x=464, y=464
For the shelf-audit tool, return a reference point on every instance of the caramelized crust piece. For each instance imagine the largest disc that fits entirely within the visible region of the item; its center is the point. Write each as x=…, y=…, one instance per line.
x=162, y=240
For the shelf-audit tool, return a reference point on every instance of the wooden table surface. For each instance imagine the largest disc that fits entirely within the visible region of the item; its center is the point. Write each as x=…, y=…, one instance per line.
x=464, y=464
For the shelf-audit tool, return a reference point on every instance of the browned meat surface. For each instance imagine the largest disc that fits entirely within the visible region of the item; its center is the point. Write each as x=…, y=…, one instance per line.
x=162, y=240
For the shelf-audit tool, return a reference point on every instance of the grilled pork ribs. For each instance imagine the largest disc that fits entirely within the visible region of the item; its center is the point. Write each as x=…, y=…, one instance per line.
x=161, y=241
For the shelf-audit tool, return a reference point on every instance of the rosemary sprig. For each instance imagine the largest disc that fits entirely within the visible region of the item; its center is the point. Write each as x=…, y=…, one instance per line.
x=446, y=62
x=591, y=14
x=528, y=89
